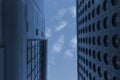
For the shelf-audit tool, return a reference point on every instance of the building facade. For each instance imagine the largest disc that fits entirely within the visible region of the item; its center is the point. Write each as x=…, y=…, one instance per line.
x=98, y=39
x=22, y=40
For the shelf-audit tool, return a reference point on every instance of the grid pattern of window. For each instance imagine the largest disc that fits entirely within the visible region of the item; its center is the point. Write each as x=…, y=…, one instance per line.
x=98, y=36
x=33, y=59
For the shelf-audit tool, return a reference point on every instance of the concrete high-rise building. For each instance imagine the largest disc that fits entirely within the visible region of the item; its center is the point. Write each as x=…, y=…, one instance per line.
x=98, y=39
x=22, y=40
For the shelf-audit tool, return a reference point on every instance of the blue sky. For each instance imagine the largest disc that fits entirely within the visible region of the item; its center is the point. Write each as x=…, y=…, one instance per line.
x=61, y=34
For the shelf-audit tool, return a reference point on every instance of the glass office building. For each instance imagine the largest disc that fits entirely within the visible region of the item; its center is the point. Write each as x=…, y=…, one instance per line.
x=98, y=39
x=22, y=40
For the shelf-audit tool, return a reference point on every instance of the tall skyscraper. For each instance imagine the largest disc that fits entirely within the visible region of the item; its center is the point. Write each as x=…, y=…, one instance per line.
x=22, y=40
x=98, y=39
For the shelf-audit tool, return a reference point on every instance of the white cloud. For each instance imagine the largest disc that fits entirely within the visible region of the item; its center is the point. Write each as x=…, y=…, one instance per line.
x=48, y=32
x=73, y=11
x=60, y=13
x=68, y=54
x=57, y=47
x=73, y=42
x=71, y=50
x=61, y=25
x=52, y=61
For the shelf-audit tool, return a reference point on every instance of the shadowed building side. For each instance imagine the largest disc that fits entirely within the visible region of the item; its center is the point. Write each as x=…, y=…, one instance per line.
x=21, y=31
x=98, y=39
x=2, y=60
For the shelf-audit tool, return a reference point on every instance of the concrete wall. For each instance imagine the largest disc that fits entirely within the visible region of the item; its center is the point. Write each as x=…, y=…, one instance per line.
x=1, y=44
x=2, y=64
x=15, y=39
x=20, y=20
x=35, y=19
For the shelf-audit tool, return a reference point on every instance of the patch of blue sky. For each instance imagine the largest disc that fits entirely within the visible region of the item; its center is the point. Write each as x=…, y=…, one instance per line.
x=61, y=34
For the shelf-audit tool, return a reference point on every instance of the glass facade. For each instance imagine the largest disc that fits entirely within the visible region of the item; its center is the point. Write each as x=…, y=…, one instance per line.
x=33, y=60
